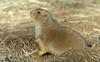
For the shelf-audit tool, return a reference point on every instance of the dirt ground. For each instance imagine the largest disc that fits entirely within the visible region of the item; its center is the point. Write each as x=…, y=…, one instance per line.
x=17, y=29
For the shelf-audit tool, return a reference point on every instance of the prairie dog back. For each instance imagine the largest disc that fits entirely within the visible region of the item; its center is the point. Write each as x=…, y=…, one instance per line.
x=51, y=36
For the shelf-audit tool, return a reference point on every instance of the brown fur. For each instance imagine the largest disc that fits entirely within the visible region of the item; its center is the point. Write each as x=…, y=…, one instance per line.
x=54, y=38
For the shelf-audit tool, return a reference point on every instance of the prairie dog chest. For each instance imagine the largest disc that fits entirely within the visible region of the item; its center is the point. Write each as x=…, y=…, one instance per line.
x=38, y=31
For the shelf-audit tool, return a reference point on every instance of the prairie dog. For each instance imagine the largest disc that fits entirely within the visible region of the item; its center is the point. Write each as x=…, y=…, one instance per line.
x=51, y=36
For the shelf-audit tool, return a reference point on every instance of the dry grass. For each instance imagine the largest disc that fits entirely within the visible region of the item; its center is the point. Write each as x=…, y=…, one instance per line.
x=17, y=30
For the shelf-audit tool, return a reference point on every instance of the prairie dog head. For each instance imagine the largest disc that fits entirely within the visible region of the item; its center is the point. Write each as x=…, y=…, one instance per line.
x=40, y=15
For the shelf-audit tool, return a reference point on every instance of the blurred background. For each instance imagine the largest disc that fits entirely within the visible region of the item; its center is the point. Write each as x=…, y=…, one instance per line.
x=17, y=28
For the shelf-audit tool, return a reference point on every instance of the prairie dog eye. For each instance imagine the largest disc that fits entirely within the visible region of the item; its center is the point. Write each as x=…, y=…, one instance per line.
x=38, y=12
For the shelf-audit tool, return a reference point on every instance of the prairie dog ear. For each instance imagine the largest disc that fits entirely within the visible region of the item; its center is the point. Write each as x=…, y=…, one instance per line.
x=45, y=15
